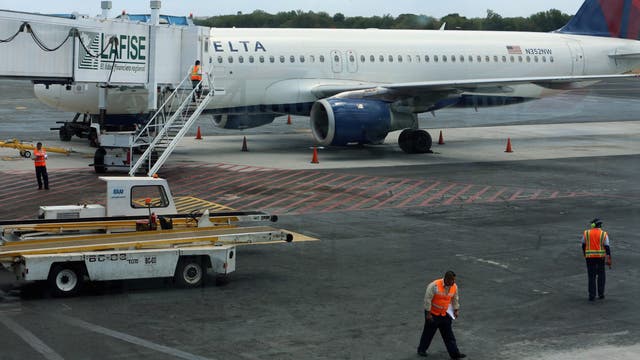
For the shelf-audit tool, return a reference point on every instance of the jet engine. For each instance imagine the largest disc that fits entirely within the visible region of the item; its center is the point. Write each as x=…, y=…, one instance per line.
x=337, y=121
x=242, y=121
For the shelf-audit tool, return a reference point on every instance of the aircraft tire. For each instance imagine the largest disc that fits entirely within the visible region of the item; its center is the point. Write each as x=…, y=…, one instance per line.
x=405, y=141
x=422, y=142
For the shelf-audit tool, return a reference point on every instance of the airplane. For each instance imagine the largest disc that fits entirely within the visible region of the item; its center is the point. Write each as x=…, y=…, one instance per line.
x=357, y=86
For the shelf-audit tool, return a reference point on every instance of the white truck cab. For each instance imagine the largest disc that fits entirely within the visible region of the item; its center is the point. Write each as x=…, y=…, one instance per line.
x=126, y=196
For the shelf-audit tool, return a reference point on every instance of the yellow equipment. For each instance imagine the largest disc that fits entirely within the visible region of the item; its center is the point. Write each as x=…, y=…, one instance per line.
x=24, y=148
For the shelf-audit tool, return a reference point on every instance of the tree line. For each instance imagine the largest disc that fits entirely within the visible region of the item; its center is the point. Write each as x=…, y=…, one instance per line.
x=543, y=21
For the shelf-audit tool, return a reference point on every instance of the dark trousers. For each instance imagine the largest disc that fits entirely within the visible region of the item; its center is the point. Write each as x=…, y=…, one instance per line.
x=442, y=323
x=41, y=175
x=194, y=84
x=595, y=270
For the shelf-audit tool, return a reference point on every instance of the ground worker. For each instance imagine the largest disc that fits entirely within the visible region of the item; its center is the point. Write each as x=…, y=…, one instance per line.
x=196, y=78
x=595, y=248
x=441, y=295
x=40, y=161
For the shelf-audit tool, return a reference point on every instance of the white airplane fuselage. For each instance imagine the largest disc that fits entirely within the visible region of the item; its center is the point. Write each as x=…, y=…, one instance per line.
x=271, y=67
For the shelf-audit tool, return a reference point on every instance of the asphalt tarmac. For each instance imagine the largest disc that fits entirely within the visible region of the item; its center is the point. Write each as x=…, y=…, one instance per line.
x=509, y=224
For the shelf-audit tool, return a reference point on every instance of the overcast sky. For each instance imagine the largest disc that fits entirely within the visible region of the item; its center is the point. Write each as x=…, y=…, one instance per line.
x=436, y=8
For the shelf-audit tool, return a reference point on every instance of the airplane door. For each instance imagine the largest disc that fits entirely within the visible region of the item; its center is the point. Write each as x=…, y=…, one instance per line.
x=336, y=61
x=352, y=61
x=577, y=56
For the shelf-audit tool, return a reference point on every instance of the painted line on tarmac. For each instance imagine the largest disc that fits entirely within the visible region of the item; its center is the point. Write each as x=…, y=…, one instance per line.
x=130, y=338
x=30, y=339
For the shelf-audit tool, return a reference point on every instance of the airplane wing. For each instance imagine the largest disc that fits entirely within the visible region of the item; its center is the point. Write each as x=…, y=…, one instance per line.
x=392, y=92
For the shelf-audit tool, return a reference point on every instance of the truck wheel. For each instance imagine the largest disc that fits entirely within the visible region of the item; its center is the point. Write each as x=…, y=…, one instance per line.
x=189, y=272
x=65, y=133
x=98, y=161
x=64, y=280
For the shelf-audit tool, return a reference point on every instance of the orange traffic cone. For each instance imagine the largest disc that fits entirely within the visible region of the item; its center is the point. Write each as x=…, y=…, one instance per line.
x=314, y=160
x=508, y=145
x=441, y=139
x=198, y=134
x=289, y=120
x=244, y=144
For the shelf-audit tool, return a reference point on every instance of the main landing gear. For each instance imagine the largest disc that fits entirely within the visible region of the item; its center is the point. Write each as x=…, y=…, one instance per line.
x=414, y=141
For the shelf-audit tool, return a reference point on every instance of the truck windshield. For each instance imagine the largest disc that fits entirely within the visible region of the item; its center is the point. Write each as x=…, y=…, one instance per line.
x=156, y=193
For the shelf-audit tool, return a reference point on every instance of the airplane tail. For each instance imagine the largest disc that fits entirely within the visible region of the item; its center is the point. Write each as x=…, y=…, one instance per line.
x=608, y=18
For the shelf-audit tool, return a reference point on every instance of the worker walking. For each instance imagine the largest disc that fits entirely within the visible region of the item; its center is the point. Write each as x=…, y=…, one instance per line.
x=595, y=248
x=40, y=161
x=440, y=297
x=196, y=78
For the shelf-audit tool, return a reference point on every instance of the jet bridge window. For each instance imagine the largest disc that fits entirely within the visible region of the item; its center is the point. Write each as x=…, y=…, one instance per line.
x=155, y=193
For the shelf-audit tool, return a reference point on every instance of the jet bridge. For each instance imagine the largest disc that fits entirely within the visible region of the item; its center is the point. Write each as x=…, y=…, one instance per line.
x=69, y=49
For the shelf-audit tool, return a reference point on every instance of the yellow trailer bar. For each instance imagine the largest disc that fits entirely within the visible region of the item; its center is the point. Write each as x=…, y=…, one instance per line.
x=24, y=148
x=146, y=240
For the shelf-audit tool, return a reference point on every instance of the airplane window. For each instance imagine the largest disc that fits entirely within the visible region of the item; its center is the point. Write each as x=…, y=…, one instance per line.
x=362, y=59
x=321, y=58
x=453, y=58
x=372, y=58
x=251, y=59
x=504, y=59
x=470, y=58
x=352, y=58
x=230, y=59
x=261, y=58
x=495, y=58
x=544, y=59
x=417, y=58
x=399, y=58
x=479, y=58
x=390, y=58
x=512, y=59
x=519, y=58
x=301, y=58
x=281, y=58
x=435, y=58
x=381, y=58
x=444, y=58
x=220, y=60
x=487, y=58
x=409, y=58
x=461, y=58
x=336, y=58
x=312, y=58
x=528, y=59
x=535, y=58
x=426, y=58
x=240, y=59
x=550, y=58
x=292, y=59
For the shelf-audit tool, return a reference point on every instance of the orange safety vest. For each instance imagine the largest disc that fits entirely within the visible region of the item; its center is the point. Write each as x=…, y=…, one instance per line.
x=442, y=299
x=195, y=73
x=594, y=243
x=39, y=157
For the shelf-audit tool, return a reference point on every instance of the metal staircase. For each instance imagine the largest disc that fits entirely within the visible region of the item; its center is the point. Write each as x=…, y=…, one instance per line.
x=160, y=136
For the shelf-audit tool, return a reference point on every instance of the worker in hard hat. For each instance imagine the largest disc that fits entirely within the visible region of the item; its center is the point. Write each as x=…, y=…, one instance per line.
x=196, y=77
x=40, y=161
x=440, y=306
x=596, y=250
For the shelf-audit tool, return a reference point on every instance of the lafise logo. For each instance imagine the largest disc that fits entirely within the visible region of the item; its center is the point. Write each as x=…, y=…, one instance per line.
x=128, y=54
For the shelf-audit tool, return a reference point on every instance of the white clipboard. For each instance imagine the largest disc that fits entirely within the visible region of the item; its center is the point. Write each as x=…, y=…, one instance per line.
x=450, y=312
